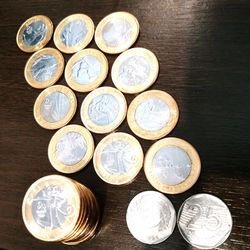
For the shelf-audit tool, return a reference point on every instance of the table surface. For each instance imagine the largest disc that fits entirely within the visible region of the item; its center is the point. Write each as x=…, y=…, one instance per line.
x=204, y=55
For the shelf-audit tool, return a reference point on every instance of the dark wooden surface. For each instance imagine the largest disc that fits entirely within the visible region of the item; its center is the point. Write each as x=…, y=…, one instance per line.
x=204, y=52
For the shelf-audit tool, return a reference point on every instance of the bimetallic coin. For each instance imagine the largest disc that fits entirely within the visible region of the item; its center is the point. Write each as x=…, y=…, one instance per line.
x=116, y=32
x=51, y=207
x=44, y=68
x=103, y=110
x=135, y=70
x=74, y=33
x=152, y=114
x=55, y=107
x=118, y=158
x=151, y=217
x=172, y=165
x=86, y=70
x=71, y=148
x=34, y=33
x=204, y=221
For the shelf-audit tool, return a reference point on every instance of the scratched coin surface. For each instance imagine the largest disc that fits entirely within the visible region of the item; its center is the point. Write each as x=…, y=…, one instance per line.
x=118, y=158
x=86, y=70
x=116, y=32
x=51, y=207
x=44, y=68
x=55, y=107
x=151, y=217
x=172, y=165
x=103, y=110
x=135, y=70
x=152, y=114
x=71, y=148
x=204, y=221
x=74, y=33
x=34, y=33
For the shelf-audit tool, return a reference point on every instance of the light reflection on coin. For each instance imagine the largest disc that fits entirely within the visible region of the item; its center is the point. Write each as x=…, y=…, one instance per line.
x=135, y=70
x=118, y=158
x=86, y=70
x=103, y=110
x=116, y=32
x=55, y=107
x=152, y=114
x=74, y=33
x=151, y=217
x=172, y=165
x=71, y=148
x=204, y=221
x=34, y=33
x=44, y=68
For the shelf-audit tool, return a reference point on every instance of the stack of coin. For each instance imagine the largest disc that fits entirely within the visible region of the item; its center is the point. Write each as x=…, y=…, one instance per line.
x=56, y=208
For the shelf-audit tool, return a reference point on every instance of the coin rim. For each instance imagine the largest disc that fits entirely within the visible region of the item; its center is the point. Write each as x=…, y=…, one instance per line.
x=94, y=84
x=19, y=39
x=86, y=40
x=134, y=34
x=154, y=70
x=71, y=112
x=153, y=135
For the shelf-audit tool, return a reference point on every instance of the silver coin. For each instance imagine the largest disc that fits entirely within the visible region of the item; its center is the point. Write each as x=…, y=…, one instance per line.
x=151, y=217
x=204, y=221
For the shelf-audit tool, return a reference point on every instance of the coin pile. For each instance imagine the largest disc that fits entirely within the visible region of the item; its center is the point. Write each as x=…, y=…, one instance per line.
x=57, y=208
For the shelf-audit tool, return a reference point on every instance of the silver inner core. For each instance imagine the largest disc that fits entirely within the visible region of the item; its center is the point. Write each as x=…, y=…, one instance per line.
x=86, y=70
x=73, y=33
x=55, y=107
x=153, y=114
x=71, y=148
x=118, y=157
x=116, y=32
x=172, y=165
x=103, y=109
x=134, y=70
x=34, y=33
x=44, y=68
x=50, y=207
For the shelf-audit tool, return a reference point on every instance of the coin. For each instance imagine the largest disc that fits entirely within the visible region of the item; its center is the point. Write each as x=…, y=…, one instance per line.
x=70, y=149
x=116, y=32
x=55, y=107
x=151, y=217
x=172, y=165
x=86, y=70
x=74, y=33
x=44, y=68
x=118, y=158
x=204, y=221
x=34, y=33
x=103, y=110
x=135, y=70
x=152, y=114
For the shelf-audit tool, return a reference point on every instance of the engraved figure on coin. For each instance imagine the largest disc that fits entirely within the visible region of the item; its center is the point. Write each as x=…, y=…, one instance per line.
x=134, y=71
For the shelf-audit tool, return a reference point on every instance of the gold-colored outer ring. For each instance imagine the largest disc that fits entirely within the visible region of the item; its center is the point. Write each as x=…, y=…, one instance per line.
x=115, y=50
x=106, y=128
x=154, y=70
x=19, y=37
x=118, y=179
x=153, y=135
x=60, y=66
x=56, y=234
x=75, y=58
x=188, y=182
x=68, y=169
x=72, y=107
x=87, y=39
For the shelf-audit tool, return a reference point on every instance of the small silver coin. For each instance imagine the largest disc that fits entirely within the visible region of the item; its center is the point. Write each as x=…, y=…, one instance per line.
x=204, y=221
x=151, y=217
